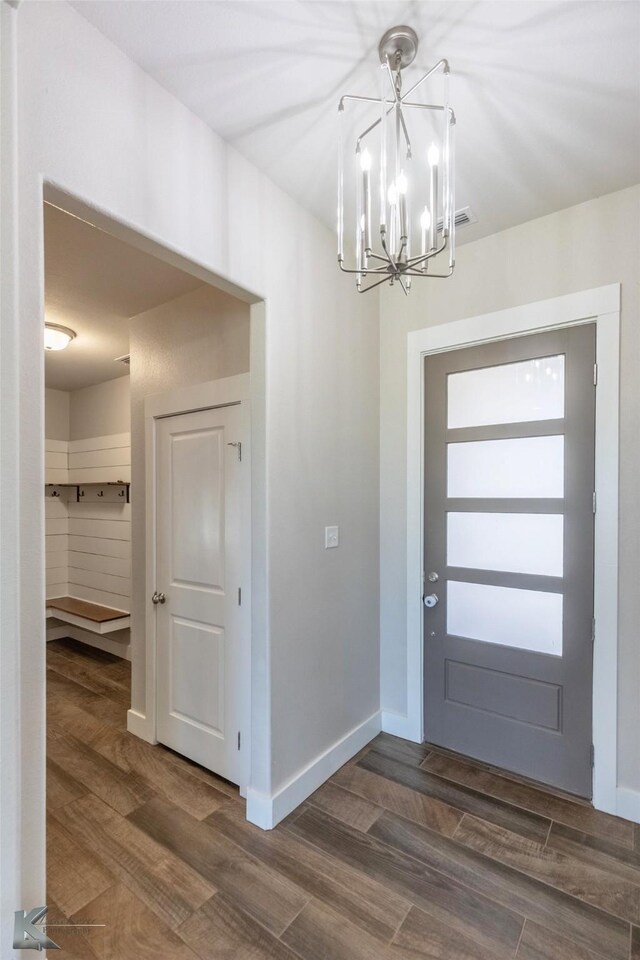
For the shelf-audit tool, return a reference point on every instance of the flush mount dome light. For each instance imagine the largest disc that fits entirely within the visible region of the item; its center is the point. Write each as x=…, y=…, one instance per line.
x=57, y=337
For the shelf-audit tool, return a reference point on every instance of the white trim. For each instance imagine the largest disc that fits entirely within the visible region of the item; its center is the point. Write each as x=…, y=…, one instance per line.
x=139, y=726
x=628, y=804
x=199, y=396
x=190, y=399
x=267, y=812
x=601, y=305
x=119, y=648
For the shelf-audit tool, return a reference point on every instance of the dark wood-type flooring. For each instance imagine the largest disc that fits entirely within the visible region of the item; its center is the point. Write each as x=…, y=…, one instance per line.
x=407, y=853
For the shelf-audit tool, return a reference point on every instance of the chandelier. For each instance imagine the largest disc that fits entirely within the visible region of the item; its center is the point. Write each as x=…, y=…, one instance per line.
x=395, y=171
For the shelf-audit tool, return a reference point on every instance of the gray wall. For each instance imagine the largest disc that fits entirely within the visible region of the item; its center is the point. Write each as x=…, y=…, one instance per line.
x=590, y=245
x=201, y=336
x=56, y=414
x=100, y=410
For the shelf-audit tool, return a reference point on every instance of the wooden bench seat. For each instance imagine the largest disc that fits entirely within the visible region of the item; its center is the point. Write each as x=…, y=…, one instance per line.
x=89, y=616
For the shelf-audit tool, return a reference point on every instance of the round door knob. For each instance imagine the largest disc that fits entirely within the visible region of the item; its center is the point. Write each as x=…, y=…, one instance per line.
x=430, y=600
x=158, y=597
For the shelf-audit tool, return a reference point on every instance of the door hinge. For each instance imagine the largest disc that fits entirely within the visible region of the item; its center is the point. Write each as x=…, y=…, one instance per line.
x=239, y=736
x=239, y=596
x=592, y=756
x=593, y=631
x=238, y=446
x=594, y=501
x=595, y=374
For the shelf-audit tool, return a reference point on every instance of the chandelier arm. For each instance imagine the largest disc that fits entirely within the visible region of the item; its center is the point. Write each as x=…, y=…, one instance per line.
x=372, y=285
x=414, y=261
x=405, y=131
x=388, y=255
x=363, y=271
x=441, y=276
x=403, y=285
x=396, y=94
x=373, y=125
x=441, y=63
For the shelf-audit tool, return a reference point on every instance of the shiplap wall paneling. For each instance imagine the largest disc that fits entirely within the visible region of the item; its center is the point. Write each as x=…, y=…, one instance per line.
x=56, y=519
x=99, y=559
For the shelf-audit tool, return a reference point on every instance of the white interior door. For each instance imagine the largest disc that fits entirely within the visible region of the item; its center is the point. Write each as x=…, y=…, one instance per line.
x=199, y=566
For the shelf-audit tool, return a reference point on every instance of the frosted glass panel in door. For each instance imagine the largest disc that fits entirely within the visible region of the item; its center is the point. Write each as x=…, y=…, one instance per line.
x=524, y=619
x=514, y=542
x=509, y=393
x=523, y=467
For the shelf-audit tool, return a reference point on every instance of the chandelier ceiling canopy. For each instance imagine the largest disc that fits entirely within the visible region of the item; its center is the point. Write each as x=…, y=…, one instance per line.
x=396, y=173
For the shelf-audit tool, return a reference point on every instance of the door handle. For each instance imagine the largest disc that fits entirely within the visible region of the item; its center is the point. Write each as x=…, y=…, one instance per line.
x=431, y=600
x=158, y=598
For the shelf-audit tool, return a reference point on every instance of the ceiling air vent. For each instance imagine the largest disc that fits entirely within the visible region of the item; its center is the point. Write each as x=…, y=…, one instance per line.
x=464, y=216
x=126, y=359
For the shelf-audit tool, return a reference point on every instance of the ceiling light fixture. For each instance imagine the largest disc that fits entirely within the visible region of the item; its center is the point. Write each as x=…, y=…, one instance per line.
x=406, y=144
x=57, y=337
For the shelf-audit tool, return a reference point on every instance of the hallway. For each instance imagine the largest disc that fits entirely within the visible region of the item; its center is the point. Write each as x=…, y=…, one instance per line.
x=405, y=853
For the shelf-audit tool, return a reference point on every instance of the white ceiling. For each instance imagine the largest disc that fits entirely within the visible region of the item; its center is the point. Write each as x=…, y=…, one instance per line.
x=547, y=94
x=94, y=284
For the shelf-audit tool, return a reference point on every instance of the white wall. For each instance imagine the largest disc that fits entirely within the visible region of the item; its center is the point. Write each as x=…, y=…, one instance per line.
x=56, y=414
x=100, y=410
x=201, y=336
x=93, y=124
x=590, y=245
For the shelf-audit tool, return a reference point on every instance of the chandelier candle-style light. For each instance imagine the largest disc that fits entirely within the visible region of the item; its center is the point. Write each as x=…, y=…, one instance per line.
x=405, y=146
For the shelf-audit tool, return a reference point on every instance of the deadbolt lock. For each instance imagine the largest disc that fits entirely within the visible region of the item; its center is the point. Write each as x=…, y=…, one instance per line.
x=430, y=600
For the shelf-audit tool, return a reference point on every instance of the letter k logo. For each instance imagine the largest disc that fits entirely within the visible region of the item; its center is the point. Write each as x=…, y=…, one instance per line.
x=26, y=935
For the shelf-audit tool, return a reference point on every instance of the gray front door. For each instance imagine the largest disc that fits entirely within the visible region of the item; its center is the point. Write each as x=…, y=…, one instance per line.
x=509, y=502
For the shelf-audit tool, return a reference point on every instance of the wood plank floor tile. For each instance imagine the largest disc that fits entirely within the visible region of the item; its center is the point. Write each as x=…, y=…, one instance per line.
x=399, y=799
x=166, y=884
x=578, y=815
x=219, y=930
x=89, y=677
x=252, y=885
x=635, y=944
x=123, y=792
x=469, y=912
x=618, y=860
x=318, y=933
x=345, y=806
x=422, y=936
x=459, y=797
x=396, y=748
x=364, y=901
x=151, y=763
x=538, y=943
x=104, y=709
x=74, y=875
x=551, y=908
x=598, y=887
x=61, y=787
x=73, y=943
x=132, y=931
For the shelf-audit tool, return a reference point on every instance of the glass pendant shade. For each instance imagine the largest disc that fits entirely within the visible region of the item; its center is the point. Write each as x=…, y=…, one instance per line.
x=57, y=337
x=396, y=210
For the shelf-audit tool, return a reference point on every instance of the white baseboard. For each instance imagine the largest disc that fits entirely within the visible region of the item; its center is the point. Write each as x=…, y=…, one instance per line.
x=628, y=804
x=267, y=811
x=119, y=648
x=399, y=725
x=139, y=726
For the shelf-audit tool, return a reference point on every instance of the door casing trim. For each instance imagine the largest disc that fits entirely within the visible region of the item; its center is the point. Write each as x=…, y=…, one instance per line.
x=602, y=306
x=190, y=399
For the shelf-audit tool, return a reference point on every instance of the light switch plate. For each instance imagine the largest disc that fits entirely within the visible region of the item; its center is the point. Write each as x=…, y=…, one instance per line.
x=331, y=537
